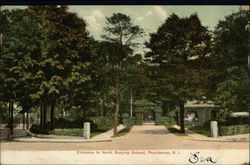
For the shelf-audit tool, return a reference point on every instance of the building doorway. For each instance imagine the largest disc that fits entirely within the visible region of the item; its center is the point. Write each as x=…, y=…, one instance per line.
x=148, y=115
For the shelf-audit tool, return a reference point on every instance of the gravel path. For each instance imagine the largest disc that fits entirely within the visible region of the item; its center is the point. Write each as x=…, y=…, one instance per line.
x=140, y=137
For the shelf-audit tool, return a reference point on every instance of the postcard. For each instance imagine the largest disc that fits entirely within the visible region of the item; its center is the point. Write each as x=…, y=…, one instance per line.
x=124, y=84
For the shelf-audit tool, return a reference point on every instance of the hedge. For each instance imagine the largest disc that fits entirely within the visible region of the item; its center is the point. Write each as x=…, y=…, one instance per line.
x=67, y=132
x=237, y=120
x=138, y=119
x=164, y=120
x=104, y=123
x=63, y=123
x=129, y=121
x=37, y=130
x=233, y=130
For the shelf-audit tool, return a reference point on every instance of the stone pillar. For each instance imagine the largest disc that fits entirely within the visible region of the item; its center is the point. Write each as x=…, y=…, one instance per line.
x=214, y=129
x=86, y=130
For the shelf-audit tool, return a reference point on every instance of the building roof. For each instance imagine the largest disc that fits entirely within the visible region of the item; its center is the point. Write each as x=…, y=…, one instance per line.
x=195, y=103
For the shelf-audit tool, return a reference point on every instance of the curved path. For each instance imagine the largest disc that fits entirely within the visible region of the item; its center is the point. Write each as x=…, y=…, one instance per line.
x=140, y=137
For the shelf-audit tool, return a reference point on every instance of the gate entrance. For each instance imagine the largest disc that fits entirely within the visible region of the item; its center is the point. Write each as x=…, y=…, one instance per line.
x=148, y=115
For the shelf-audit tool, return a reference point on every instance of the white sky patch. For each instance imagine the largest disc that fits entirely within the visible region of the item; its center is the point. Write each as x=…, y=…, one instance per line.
x=160, y=12
x=94, y=19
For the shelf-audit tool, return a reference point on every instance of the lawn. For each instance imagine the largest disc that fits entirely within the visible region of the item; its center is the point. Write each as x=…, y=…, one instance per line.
x=175, y=131
x=123, y=131
x=205, y=131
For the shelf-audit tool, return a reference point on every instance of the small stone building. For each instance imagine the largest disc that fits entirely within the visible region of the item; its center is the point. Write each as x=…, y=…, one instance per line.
x=199, y=113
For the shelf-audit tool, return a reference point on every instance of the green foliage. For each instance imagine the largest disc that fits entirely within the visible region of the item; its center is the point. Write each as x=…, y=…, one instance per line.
x=164, y=120
x=231, y=41
x=104, y=123
x=179, y=57
x=67, y=132
x=233, y=130
x=230, y=61
x=3, y=112
x=233, y=94
x=138, y=118
x=129, y=121
x=237, y=121
x=38, y=130
x=161, y=120
x=63, y=123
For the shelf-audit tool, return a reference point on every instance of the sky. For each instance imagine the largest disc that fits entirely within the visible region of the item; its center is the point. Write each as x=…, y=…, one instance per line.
x=148, y=17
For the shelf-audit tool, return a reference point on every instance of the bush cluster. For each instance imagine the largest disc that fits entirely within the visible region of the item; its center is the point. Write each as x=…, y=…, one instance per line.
x=63, y=123
x=164, y=120
x=129, y=121
x=37, y=130
x=67, y=132
x=104, y=123
x=237, y=120
x=138, y=119
x=233, y=130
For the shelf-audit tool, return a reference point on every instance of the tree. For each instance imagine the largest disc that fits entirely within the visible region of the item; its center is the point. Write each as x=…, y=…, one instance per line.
x=230, y=61
x=66, y=58
x=122, y=33
x=180, y=61
x=19, y=46
x=45, y=58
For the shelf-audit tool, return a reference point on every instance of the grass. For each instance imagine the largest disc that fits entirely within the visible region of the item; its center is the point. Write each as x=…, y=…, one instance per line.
x=72, y=132
x=205, y=131
x=175, y=131
x=123, y=131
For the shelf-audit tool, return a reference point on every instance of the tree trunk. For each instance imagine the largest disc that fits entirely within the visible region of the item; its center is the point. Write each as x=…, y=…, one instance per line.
x=27, y=121
x=11, y=118
x=41, y=116
x=23, y=121
x=182, y=111
x=117, y=104
x=52, y=115
x=44, y=115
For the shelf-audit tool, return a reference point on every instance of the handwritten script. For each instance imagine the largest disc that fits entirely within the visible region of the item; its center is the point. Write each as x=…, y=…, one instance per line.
x=196, y=158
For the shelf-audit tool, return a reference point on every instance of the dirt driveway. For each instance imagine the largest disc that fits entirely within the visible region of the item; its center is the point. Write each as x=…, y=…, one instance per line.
x=140, y=137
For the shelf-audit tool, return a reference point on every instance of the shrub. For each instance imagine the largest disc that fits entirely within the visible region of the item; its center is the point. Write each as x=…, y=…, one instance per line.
x=104, y=123
x=67, y=132
x=237, y=120
x=63, y=123
x=129, y=121
x=161, y=120
x=37, y=130
x=138, y=119
x=233, y=130
x=164, y=120
x=125, y=115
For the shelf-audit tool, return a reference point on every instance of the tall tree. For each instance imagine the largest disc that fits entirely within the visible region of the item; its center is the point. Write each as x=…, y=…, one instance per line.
x=179, y=56
x=64, y=64
x=18, y=48
x=230, y=61
x=121, y=31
